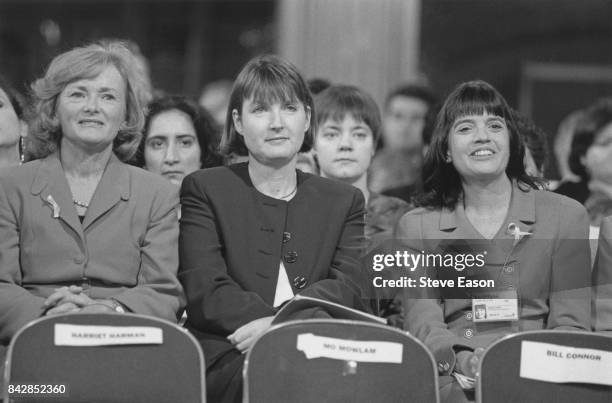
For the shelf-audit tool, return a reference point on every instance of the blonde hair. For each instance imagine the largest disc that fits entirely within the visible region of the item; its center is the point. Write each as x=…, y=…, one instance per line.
x=87, y=62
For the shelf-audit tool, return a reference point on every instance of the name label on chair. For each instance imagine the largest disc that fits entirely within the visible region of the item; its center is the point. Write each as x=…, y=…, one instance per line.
x=349, y=350
x=560, y=364
x=88, y=335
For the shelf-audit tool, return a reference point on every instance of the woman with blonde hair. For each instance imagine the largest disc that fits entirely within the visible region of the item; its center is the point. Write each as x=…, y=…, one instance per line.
x=80, y=230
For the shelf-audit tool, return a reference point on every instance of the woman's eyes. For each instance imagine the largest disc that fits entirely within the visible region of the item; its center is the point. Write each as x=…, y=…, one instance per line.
x=186, y=142
x=497, y=125
x=156, y=144
x=330, y=134
x=494, y=126
x=291, y=107
x=603, y=143
x=81, y=94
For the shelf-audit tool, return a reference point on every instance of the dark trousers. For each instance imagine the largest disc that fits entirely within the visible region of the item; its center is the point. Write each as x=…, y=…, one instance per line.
x=224, y=378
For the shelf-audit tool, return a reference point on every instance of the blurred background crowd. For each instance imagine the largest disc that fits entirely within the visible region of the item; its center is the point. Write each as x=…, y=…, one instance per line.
x=548, y=58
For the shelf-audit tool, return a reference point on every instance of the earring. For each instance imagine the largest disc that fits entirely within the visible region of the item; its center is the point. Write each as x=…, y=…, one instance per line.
x=21, y=150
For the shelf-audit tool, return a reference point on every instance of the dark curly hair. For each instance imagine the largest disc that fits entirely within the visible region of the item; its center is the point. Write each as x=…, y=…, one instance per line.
x=594, y=118
x=206, y=129
x=441, y=181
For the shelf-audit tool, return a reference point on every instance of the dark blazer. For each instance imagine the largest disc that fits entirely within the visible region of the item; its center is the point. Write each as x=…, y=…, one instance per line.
x=233, y=238
x=126, y=247
x=549, y=269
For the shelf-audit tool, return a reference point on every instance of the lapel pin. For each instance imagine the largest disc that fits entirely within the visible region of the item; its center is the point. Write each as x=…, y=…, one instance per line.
x=54, y=206
x=515, y=231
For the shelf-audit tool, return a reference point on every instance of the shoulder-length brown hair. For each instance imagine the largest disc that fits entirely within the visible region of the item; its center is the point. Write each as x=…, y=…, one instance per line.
x=441, y=181
x=84, y=63
x=266, y=78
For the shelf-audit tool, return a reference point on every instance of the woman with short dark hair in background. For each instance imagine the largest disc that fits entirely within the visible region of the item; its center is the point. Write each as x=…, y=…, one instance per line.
x=80, y=230
x=589, y=160
x=13, y=127
x=180, y=137
x=348, y=129
x=479, y=201
x=252, y=233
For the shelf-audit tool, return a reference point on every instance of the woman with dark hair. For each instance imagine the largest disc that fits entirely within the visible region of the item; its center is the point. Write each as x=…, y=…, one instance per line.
x=590, y=159
x=480, y=205
x=180, y=137
x=251, y=232
x=80, y=230
x=13, y=127
x=587, y=123
x=348, y=129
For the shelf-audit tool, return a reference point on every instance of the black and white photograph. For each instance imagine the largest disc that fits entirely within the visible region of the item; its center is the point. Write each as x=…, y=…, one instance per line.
x=302, y=201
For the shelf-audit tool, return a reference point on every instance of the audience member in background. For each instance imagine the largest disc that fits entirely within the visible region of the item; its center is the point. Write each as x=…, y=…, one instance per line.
x=575, y=184
x=562, y=146
x=81, y=231
x=214, y=98
x=317, y=85
x=536, y=146
x=306, y=161
x=348, y=129
x=398, y=162
x=179, y=138
x=593, y=158
x=251, y=233
x=478, y=199
x=13, y=127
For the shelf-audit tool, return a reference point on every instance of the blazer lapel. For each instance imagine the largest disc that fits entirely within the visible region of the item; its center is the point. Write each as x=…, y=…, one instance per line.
x=52, y=186
x=113, y=187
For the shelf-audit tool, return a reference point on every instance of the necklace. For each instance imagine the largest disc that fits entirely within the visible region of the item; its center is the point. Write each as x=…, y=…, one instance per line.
x=80, y=203
x=288, y=195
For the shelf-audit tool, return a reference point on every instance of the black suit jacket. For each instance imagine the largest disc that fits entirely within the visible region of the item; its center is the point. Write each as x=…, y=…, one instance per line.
x=233, y=237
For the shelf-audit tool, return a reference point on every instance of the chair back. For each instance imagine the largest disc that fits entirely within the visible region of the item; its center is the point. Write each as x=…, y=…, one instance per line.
x=169, y=370
x=331, y=360
x=500, y=368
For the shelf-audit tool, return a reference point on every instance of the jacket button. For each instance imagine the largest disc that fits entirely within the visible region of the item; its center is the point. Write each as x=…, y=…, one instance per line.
x=468, y=316
x=469, y=333
x=300, y=282
x=291, y=257
x=509, y=269
x=286, y=237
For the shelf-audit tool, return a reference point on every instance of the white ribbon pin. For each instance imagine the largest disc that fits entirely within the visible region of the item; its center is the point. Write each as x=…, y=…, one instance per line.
x=54, y=206
x=514, y=230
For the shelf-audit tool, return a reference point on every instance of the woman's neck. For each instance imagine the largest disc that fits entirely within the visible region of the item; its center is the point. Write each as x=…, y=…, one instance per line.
x=277, y=182
x=79, y=163
x=9, y=156
x=487, y=196
x=360, y=183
